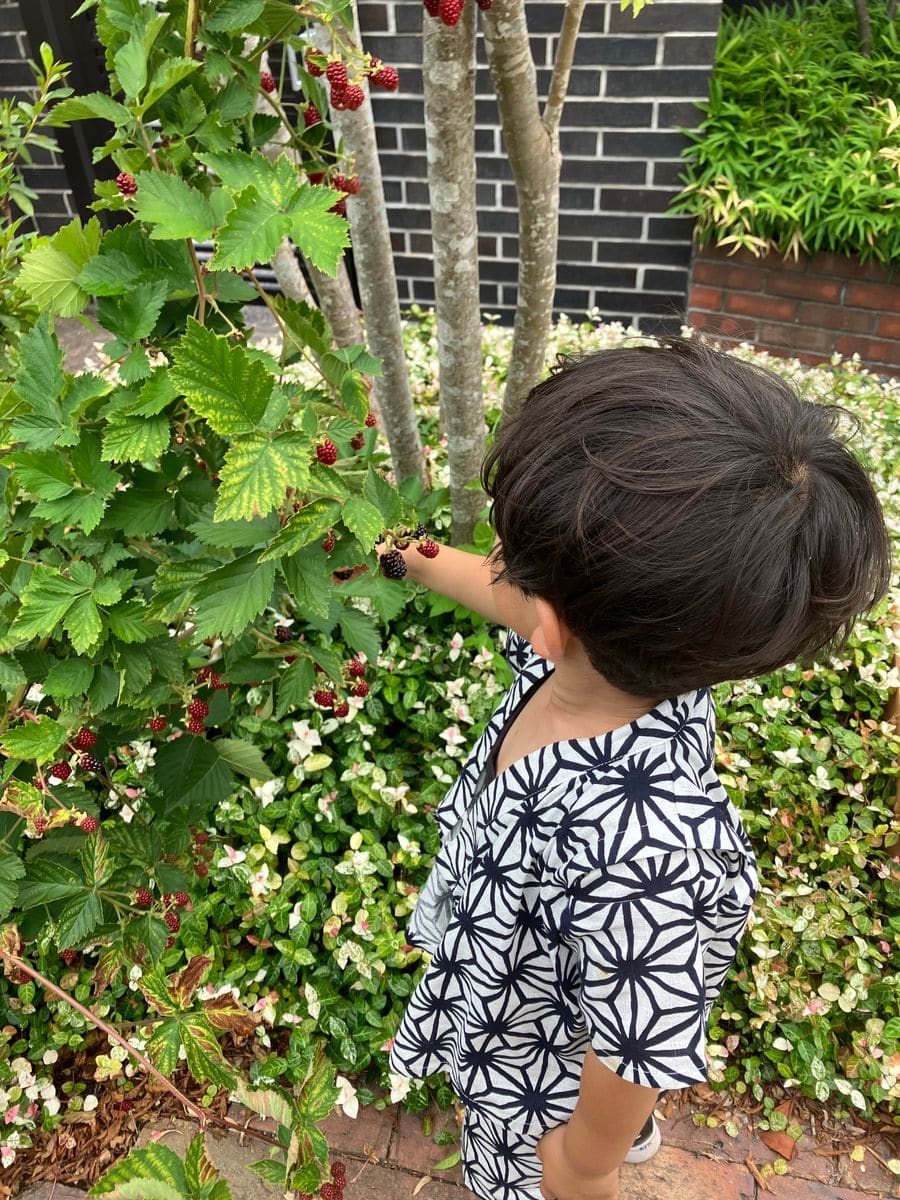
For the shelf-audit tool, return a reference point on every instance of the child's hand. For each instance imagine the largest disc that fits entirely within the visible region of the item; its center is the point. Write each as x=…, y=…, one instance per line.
x=560, y=1182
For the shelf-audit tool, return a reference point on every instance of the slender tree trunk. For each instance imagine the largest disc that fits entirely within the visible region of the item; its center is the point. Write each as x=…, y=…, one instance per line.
x=865, y=26
x=532, y=143
x=378, y=286
x=449, y=84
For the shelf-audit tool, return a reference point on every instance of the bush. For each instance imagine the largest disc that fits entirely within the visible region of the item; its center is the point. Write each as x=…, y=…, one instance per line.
x=312, y=872
x=800, y=147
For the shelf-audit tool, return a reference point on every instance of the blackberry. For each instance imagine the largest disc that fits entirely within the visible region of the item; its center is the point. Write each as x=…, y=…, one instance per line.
x=201, y=869
x=428, y=548
x=127, y=184
x=267, y=82
x=173, y=921
x=89, y=825
x=326, y=452
x=282, y=633
x=371, y=420
x=330, y=542
x=312, y=64
x=61, y=771
x=420, y=531
x=84, y=739
x=324, y=697
x=393, y=565
x=203, y=674
x=387, y=78
x=157, y=724
x=342, y=709
x=311, y=116
x=356, y=668
x=41, y=825
x=182, y=899
x=338, y=1172
x=331, y=1191
x=198, y=709
x=170, y=942
x=68, y=956
x=143, y=898
x=336, y=74
x=87, y=762
x=357, y=441
x=353, y=97
x=196, y=726
x=360, y=690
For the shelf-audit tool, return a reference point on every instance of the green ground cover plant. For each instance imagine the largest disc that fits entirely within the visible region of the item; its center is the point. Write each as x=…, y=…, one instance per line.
x=300, y=879
x=800, y=146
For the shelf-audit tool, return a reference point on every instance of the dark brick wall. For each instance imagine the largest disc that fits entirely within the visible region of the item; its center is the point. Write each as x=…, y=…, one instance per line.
x=805, y=309
x=634, y=86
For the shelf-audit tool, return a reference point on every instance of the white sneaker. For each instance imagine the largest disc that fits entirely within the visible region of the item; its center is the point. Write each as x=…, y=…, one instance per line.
x=646, y=1143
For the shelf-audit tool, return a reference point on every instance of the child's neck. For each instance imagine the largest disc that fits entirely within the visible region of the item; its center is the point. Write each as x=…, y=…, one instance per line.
x=577, y=701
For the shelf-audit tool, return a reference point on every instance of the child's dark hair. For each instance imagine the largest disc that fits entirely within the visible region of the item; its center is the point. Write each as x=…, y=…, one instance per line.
x=691, y=518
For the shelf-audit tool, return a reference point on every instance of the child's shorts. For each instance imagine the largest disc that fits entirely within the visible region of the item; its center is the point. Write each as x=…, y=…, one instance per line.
x=499, y=1163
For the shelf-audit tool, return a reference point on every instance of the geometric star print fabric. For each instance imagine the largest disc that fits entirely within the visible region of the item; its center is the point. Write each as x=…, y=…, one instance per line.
x=593, y=893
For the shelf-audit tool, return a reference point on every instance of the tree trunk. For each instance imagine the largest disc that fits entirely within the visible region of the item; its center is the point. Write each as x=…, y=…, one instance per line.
x=532, y=144
x=449, y=85
x=374, y=262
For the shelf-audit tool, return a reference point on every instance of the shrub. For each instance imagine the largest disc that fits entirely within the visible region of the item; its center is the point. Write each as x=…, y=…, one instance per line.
x=800, y=147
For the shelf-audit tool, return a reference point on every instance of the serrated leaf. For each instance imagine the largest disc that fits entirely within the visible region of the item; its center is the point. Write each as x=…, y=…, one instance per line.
x=359, y=632
x=257, y=472
x=234, y=15
x=186, y=982
x=51, y=266
x=223, y=383
x=312, y=521
x=36, y=741
x=79, y=919
x=69, y=677
x=156, y=393
x=39, y=380
x=242, y=757
x=110, y=273
x=319, y=1095
x=330, y=662
x=174, y=208
x=133, y=315
x=198, y=1168
x=82, y=108
x=229, y=598
x=83, y=624
x=11, y=674
x=379, y=492
x=47, y=882
x=233, y=535
x=294, y=686
x=144, y=1189
x=156, y=1163
x=307, y=581
x=268, y=1102
x=251, y=233
x=47, y=598
x=43, y=473
x=139, y=439
x=12, y=869
x=321, y=235
x=164, y=1046
x=172, y=71
x=363, y=520
x=272, y=1170
x=191, y=772
x=128, y=622
x=204, y=1057
x=140, y=513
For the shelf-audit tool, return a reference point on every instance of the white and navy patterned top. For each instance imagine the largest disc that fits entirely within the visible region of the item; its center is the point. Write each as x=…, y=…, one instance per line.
x=593, y=893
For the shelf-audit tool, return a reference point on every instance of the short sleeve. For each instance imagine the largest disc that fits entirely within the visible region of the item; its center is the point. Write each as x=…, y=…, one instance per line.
x=641, y=930
x=518, y=652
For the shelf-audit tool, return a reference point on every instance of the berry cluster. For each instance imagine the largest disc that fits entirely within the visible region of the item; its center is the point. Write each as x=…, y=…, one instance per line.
x=332, y=1189
x=450, y=11
x=207, y=675
x=393, y=564
x=202, y=853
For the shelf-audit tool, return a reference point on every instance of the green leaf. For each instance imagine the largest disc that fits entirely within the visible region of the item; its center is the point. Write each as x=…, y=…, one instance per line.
x=252, y=232
x=172, y=71
x=233, y=535
x=272, y=1170
x=319, y=1095
x=203, y=1055
x=83, y=624
x=11, y=674
x=47, y=882
x=43, y=473
x=191, y=772
x=223, y=383
x=110, y=273
x=174, y=208
x=234, y=15
x=311, y=522
x=79, y=918
x=242, y=757
x=12, y=869
x=68, y=678
x=257, y=472
x=144, y=1189
x=128, y=622
x=322, y=236
x=137, y=440
x=294, y=686
x=140, y=513
x=82, y=108
x=359, y=632
x=50, y=268
x=363, y=520
x=47, y=598
x=379, y=492
x=199, y=1170
x=40, y=379
x=228, y=599
x=308, y=581
x=132, y=316
x=156, y=1163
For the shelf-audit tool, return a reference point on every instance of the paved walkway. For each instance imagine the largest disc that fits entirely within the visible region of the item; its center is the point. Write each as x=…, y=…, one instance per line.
x=388, y=1157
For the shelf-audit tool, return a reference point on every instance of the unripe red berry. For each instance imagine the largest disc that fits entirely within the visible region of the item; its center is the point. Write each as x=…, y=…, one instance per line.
x=356, y=668
x=330, y=541
x=338, y=1173
x=182, y=899
x=90, y=825
x=354, y=97
x=371, y=420
x=170, y=942
x=201, y=838
x=157, y=724
x=432, y=7
x=198, y=709
x=428, y=548
x=283, y=633
x=68, y=956
x=196, y=726
x=484, y=5
x=267, y=82
x=336, y=74
x=450, y=11
x=312, y=66
x=173, y=921
x=311, y=116
x=143, y=898
x=342, y=709
x=203, y=674
x=387, y=78
x=326, y=452
x=126, y=183
x=217, y=683
x=331, y=1191
x=84, y=739
x=201, y=869
x=340, y=208
x=360, y=690
x=41, y=825
x=357, y=441
x=87, y=762
x=324, y=698
x=61, y=771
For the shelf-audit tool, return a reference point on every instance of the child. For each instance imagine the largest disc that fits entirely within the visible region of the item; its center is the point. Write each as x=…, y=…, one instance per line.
x=667, y=518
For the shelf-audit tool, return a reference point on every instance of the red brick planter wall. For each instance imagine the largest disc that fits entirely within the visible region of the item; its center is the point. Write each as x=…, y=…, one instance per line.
x=805, y=309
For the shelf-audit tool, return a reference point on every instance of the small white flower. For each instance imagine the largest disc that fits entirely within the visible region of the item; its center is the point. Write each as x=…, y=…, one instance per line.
x=50, y=1057
x=455, y=687
x=90, y=1103
x=144, y=755
x=456, y=645
x=127, y=813
x=788, y=758
x=347, y=1099
x=232, y=857
x=400, y=1086
x=266, y=792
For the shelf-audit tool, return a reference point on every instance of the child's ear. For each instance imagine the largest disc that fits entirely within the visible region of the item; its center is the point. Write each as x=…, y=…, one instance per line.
x=551, y=634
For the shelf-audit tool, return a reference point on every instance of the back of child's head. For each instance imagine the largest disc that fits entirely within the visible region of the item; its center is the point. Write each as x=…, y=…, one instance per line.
x=688, y=515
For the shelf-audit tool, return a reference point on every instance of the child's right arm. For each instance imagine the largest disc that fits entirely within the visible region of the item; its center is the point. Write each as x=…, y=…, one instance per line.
x=468, y=579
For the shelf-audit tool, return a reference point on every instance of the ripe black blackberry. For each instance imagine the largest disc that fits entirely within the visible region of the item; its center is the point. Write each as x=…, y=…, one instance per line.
x=420, y=531
x=282, y=633
x=393, y=565
x=88, y=762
